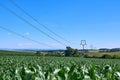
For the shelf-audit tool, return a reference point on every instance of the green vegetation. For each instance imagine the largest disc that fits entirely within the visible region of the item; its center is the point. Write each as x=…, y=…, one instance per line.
x=18, y=65
x=106, y=55
x=58, y=68
x=70, y=52
x=13, y=52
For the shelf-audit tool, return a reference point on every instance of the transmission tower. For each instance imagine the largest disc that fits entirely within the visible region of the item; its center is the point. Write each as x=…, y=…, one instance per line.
x=83, y=44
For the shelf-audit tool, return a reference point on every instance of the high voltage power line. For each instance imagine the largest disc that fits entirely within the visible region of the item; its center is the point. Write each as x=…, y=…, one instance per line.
x=20, y=35
x=23, y=19
x=28, y=14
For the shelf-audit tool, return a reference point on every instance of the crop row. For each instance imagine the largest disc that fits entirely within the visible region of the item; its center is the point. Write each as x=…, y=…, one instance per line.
x=58, y=68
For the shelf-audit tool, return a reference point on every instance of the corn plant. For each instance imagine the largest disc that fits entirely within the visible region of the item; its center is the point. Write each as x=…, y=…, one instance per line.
x=57, y=68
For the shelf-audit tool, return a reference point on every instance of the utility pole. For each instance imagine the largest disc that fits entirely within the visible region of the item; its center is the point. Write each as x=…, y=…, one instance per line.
x=83, y=44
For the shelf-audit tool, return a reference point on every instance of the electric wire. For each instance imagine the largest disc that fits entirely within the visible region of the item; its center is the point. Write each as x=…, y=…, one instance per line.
x=18, y=34
x=23, y=19
x=28, y=14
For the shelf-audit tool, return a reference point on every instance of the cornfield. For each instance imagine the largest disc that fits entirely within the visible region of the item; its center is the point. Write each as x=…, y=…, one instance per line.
x=58, y=68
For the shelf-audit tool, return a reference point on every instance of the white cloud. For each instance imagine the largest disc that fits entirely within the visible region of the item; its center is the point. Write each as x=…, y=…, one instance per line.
x=25, y=44
x=27, y=34
x=9, y=33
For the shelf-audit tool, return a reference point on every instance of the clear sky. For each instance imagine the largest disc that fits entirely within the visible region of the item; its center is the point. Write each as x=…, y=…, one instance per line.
x=96, y=21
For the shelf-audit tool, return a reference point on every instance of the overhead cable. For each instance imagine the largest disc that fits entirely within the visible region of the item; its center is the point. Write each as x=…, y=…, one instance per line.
x=23, y=19
x=20, y=35
x=28, y=14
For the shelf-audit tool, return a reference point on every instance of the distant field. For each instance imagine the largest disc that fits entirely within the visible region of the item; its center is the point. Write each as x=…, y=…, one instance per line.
x=100, y=54
x=13, y=52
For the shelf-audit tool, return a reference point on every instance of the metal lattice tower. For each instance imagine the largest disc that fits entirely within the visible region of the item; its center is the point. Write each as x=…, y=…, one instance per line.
x=83, y=44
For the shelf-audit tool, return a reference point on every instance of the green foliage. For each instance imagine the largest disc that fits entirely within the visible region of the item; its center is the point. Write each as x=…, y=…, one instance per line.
x=58, y=68
x=117, y=56
x=107, y=56
x=69, y=51
x=38, y=52
x=76, y=53
x=72, y=52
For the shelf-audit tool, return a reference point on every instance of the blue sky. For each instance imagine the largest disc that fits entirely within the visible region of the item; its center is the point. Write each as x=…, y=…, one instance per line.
x=96, y=21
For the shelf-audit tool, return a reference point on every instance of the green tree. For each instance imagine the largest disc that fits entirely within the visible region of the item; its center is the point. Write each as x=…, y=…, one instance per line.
x=69, y=51
x=38, y=52
x=76, y=52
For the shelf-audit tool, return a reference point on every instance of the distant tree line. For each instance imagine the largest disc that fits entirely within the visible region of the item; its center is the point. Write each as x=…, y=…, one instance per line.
x=109, y=50
x=69, y=52
x=50, y=53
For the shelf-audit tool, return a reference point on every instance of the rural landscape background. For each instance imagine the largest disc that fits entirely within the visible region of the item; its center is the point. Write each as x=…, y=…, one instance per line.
x=59, y=40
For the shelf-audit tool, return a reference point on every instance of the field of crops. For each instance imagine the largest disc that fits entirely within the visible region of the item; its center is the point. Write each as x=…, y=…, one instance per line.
x=58, y=68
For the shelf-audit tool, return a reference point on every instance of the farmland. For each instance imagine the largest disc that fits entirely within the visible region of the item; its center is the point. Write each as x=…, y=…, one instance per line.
x=58, y=68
